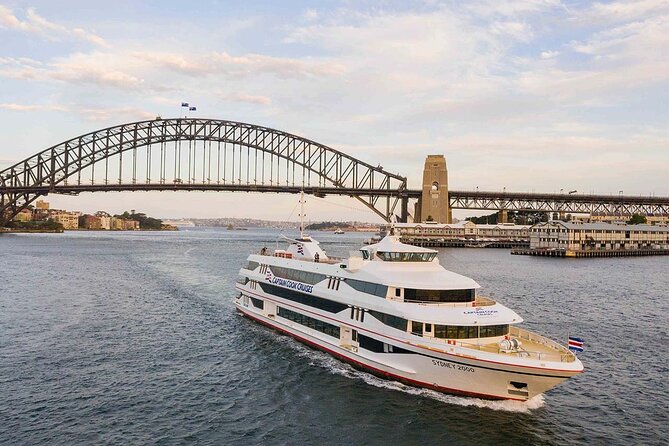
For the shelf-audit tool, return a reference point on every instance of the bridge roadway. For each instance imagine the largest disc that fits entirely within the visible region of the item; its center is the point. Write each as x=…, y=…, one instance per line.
x=459, y=199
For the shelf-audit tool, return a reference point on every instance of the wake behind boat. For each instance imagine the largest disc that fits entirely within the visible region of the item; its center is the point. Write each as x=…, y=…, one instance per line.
x=393, y=310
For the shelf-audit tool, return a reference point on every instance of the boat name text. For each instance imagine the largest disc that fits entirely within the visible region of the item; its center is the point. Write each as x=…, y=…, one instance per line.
x=299, y=286
x=462, y=368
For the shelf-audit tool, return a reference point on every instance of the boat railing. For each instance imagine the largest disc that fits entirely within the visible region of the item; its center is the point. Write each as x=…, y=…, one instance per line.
x=480, y=301
x=561, y=353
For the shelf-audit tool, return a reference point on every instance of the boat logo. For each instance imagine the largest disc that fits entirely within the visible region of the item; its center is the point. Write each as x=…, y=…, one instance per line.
x=482, y=312
x=299, y=286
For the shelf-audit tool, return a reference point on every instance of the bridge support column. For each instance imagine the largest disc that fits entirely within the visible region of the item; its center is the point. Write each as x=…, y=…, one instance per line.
x=404, y=216
x=503, y=216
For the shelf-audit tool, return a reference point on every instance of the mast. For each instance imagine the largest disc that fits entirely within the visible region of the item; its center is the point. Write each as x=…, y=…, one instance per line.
x=302, y=213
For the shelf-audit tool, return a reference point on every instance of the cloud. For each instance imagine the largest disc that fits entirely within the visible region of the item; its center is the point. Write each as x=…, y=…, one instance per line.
x=36, y=24
x=248, y=98
x=621, y=11
x=89, y=113
x=93, y=68
x=549, y=54
x=32, y=107
x=120, y=114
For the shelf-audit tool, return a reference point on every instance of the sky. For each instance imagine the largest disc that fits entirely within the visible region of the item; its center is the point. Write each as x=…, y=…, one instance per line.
x=537, y=95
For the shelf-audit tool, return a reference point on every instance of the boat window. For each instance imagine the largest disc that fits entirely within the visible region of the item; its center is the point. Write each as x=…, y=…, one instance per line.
x=390, y=320
x=469, y=332
x=258, y=303
x=489, y=331
x=406, y=256
x=376, y=346
x=323, y=327
x=417, y=328
x=252, y=265
x=368, y=287
x=455, y=332
x=305, y=299
x=414, y=295
x=297, y=275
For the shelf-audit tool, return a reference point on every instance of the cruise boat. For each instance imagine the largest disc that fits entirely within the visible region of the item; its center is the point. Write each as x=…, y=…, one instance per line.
x=339, y=231
x=391, y=309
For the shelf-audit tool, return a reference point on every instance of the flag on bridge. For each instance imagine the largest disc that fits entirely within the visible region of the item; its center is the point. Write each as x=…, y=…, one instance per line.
x=192, y=109
x=184, y=104
x=575, y=344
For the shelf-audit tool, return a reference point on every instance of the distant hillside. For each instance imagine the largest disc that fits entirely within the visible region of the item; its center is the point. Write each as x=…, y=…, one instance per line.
x=330, y=225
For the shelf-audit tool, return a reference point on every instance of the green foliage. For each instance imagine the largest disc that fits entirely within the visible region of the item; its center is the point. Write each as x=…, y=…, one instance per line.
x=328, y=225
x=144, y=221
x=516, y=217
x=637, y=219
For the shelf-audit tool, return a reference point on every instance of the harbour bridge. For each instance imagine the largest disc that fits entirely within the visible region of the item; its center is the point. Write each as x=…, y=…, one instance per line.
x=193, y=154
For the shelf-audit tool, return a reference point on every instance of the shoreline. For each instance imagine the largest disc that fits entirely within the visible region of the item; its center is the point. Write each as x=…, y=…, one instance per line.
x=60, y=231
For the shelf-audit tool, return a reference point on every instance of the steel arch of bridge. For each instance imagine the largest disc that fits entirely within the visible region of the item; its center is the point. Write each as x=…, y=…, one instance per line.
x=251, y=157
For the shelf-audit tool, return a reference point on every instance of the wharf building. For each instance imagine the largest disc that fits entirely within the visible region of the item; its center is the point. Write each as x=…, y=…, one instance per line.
x=576, y=239
x=653, y=219
x=464, y=234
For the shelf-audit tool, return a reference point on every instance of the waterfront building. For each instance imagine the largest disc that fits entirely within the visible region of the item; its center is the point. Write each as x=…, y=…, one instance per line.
x=69, y=220
x=24, y=215
x=616, y=218
x=117, y=224
x=463, y=231
x=130, y=225
x=91, y=222
x=573, y=237
x=105, y=220
x=42, y=205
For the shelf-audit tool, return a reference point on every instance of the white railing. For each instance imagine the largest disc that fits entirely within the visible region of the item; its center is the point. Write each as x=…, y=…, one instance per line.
x=561, y=353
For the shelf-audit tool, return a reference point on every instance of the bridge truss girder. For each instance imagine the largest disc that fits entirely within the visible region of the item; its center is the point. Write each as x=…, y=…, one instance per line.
x=575, y=204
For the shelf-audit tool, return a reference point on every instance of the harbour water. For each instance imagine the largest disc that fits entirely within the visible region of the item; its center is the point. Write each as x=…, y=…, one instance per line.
x=132, y=338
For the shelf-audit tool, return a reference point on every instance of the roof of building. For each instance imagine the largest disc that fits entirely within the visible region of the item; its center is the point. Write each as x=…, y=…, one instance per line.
x=461, y=224
x=604, y=226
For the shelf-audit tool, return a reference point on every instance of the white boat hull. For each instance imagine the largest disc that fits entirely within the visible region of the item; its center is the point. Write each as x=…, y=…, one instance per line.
x=423, y=367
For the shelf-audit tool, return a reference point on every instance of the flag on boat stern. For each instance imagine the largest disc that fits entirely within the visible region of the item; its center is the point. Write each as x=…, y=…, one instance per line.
x=575, y=344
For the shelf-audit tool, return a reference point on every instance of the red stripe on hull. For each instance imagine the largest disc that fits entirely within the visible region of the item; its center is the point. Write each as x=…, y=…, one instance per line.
x=378, y=372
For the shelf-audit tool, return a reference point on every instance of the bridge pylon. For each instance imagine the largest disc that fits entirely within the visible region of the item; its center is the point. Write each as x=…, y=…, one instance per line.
x=434, y=204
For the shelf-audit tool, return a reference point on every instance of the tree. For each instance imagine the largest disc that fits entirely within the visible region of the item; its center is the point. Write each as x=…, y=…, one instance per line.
x=637, y=219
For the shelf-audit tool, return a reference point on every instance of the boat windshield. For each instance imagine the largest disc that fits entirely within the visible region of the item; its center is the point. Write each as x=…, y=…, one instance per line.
x=406, y=256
